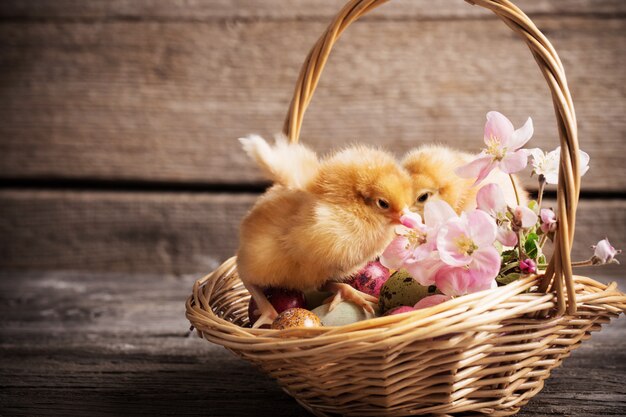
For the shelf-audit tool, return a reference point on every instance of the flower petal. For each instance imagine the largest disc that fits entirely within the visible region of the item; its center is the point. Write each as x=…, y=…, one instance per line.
x=536, y=153
x=410, y=219
x=550, y=166
x=525, y=216
x=498, y=127
x=528, y=266
x=552, y=177
x=437, y=212
x=583, y=160
x=484, y=268
x=396, y=253
x=431, y=300
x=490, y=199
x=522, y=135
x=538, y=158
x=481, y=227
x=485, y=171
x=479, y=167
x=447, y=243
x=605, y=252
x=424, y=271
x=453, y=281
x=514, y=161
x=506, y=236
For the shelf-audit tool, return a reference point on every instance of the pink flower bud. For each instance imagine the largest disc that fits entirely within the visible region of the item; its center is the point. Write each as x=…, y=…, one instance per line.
x=548, y=220
x=524, y=217
x=410, y=219
x=528, y=266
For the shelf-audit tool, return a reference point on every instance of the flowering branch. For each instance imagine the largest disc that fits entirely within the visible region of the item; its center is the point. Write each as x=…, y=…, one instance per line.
x=494, y=244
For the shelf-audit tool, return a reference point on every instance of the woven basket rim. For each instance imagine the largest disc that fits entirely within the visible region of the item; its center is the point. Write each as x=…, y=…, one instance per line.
x=460, y=314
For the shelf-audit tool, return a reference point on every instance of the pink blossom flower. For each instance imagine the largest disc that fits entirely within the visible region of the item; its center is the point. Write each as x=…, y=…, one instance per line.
x=503, y=148
x=528, y=266
x=548, y=220
x=465, y=245
x=462, y=238
x=547, y=164
x=431, y=300
x=414, y=249
x=604, y=253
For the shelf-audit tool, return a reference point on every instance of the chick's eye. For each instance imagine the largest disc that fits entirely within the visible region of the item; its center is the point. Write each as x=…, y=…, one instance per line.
x=382, y=204
x=423, y=198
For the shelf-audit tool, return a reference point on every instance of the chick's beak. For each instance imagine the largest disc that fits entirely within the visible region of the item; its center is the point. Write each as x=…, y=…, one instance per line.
x=397, y=217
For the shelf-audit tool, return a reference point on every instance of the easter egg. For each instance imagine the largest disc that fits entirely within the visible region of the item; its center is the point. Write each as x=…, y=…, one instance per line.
x=345, y=312
x=431, y=300
x=402, y=290
x=281, y=298
x=371, y=278
x=399, y=310
x=295, y=317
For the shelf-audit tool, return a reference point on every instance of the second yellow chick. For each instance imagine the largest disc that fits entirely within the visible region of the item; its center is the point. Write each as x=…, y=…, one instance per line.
x=432, y=173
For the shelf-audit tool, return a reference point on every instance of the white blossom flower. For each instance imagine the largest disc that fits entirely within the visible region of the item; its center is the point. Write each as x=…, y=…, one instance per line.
x=547, y=164
x=604, y=253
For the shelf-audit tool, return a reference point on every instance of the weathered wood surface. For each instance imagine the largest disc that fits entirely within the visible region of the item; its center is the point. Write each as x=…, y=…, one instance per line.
x=173, y=232
x=280, y=9
x=165, y=101
x=114, y=344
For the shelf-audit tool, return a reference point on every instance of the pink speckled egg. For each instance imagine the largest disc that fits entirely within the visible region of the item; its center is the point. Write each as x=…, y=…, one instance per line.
x=371, y=278
x=296, y=317
x=431, y=300
x=399, y=310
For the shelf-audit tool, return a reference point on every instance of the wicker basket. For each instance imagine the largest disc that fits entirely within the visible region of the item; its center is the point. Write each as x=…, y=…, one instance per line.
x=487, y=352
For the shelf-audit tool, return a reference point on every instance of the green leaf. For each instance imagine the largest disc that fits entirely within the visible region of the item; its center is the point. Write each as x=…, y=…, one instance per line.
x=509, y=256
x=507, y=279
x=534, y=206
x=531, y=246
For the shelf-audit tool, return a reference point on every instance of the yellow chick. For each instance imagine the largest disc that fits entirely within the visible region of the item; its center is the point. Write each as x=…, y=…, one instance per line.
x=321, y=221
x=432, y=173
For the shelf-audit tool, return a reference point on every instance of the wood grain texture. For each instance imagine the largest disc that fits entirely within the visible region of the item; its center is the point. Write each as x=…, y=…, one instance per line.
x=278, y=9
x=175, y=232
x=119, y=231
x=117, y=344
x=165, y=101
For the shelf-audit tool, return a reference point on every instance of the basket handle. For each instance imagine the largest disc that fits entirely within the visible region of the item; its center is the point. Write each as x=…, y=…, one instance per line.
x=559, y=270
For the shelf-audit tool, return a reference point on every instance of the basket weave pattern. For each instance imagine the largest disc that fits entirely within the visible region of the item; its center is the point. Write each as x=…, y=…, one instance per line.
x=487, y=352
x=484, y=352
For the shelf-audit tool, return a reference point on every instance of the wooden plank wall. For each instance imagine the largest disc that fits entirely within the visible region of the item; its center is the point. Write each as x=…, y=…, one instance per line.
x=119, y=119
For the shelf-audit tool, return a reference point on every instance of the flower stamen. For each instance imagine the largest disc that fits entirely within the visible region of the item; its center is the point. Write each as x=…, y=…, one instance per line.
x=465, y=245
x=416, y=238
x=495, y=149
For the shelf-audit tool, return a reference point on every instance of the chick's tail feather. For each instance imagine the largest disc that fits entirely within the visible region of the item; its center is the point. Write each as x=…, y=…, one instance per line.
x=288, y=164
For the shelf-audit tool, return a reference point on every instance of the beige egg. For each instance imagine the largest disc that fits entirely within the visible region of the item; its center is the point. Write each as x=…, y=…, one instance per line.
x=295, y=317
x=343, y=313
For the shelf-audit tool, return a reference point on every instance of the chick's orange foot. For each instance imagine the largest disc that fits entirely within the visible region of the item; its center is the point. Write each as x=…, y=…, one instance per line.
x=344, y=292
x=265, y=308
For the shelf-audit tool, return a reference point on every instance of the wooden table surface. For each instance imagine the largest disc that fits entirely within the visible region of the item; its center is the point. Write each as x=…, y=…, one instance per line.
x=76, y=344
